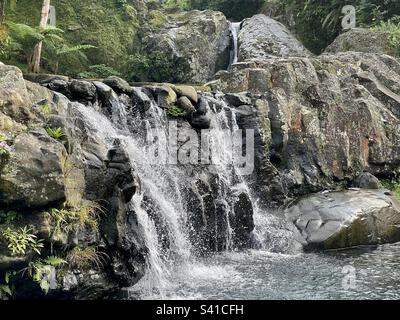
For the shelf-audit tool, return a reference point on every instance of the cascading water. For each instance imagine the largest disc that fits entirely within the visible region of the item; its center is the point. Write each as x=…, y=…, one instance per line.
x=235, y=29
x=164, y=211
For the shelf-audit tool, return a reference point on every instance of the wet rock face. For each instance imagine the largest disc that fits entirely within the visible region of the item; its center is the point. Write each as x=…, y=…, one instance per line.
x=346, y=219
x=262, y=37
x=197, y=43
x=327, y=119
x=40, y=172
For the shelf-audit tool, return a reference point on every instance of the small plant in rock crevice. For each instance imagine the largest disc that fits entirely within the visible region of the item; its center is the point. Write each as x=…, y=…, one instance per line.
x=175, y=111
x=5, y=149
x=86, y=258
x=75, y=218
x=20, y=241
x=6, y=290
x=46, y=109
x=9, y=216
x=56, y=133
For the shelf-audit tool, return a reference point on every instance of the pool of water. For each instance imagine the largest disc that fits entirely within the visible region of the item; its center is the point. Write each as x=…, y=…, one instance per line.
x=362, y=273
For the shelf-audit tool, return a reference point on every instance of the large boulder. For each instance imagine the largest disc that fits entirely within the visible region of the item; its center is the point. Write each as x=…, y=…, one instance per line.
x=361, y=40
x=263, y=37
x=345, y=219
x=196, y=43
x=33, y=177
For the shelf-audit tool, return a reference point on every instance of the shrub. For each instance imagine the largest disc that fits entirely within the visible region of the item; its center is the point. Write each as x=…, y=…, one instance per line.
x=74, y=219
x=6, y=291
x=154, y=66
x=98, y=71
x=392, y=28
x=175, y=111
x=392, y=185
x=86, y=258
x=20, y=241
x=41, y=269
x=56, y=133
x=9, y=216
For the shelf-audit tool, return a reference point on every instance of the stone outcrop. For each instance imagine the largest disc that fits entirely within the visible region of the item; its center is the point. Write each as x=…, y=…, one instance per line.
x=197, y=43
x=354, y=217
x=262, y=37
x=324, y=120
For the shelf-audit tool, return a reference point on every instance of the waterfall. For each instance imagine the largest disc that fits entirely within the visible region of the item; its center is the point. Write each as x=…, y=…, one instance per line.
x=183, y=210
x=235, y=29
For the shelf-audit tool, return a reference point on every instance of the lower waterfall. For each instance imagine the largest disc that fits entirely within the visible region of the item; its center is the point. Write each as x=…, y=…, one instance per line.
x=185, y=208
x=198, y=223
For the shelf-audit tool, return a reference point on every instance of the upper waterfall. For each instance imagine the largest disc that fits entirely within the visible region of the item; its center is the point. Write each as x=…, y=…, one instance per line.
x=235, y=29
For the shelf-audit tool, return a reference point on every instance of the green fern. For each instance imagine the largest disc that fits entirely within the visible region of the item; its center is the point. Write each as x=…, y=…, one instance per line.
x=20, y=241
x=54, y=261
x=56, y=133
x=175, y=111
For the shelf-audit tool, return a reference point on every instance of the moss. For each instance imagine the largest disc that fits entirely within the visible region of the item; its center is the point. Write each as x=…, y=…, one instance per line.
x=157, y=19
x=356, y=234
x=102, y=23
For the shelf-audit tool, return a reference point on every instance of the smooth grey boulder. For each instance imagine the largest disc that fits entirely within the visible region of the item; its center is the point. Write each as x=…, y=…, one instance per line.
x=263, y=37
x=119, y=85
x=185, y=104
x=334, y=220
x=186, y=91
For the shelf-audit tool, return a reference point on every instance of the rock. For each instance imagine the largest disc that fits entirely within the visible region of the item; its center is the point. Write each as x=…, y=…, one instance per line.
x=361, y=40
x=103, y=90
x=118, y=85
x=200, y=121
x=185, y=104
x=186, y=91
x=202, y=108
x=366, y=181
x=196, y=43
x=59, y=85
x=141, y=99
x=345, y=219
x=238, y=99
x=82, y=90
x=33, y=177
x=44, y=79
x=263, y=37
x=166, y=97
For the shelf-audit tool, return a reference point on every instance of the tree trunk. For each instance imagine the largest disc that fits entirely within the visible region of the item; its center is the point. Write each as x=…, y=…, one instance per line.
x=3, y=4
x=37, y=51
